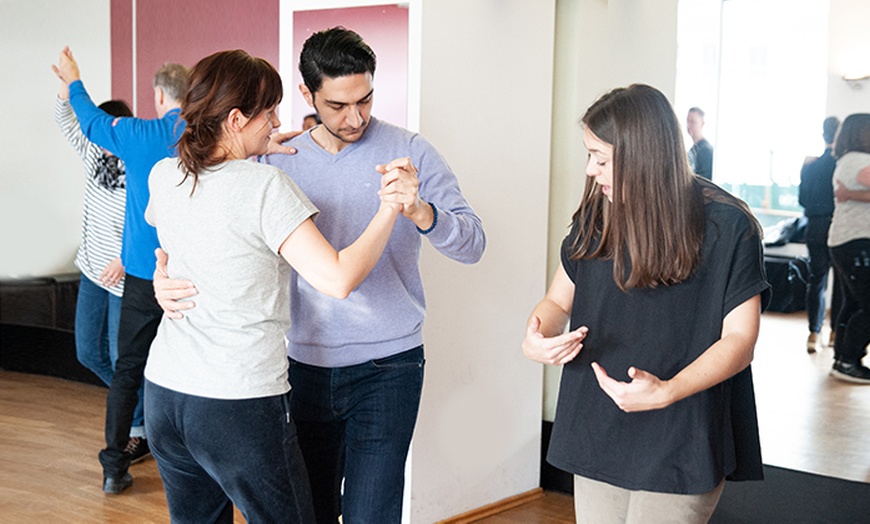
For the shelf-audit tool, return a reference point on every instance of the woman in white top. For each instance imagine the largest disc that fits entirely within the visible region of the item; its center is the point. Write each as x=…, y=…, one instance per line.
x=98, y=306
x=849, y=240
x=216, y=386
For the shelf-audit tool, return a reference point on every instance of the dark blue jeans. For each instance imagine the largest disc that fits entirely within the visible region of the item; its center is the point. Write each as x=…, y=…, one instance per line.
x=213, y=453
x=140, y=316
x=852, y=261
x=820, y=265
x=98, y=314
x=355, y=423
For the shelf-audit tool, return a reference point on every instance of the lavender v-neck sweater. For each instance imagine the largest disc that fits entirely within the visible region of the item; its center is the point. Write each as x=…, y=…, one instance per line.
x=384, y=315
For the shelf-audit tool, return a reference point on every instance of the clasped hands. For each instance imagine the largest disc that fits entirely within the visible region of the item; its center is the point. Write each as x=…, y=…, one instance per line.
x=643, y=392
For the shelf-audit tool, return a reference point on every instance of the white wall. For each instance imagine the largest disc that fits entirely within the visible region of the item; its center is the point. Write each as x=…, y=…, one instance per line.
x=42, y=178
x=485, y=103
x=599, y=45
x=848, y=53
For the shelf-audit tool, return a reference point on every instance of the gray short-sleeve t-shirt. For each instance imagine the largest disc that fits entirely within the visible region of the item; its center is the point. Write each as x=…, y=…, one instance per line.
x=225, y=236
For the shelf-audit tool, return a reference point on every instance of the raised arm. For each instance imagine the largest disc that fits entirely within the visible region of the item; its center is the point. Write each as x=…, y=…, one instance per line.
x=333, y=273
x=728, y=356
x=338, y=273
x=458, y=233
x=66, y=120
x=96, y=124
x=545, y=340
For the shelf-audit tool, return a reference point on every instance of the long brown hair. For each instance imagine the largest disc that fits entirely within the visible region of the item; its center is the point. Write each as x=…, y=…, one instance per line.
x=218, y=84
x=654, y=228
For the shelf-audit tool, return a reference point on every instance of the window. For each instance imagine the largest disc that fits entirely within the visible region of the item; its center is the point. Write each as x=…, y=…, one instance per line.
x=764, y=94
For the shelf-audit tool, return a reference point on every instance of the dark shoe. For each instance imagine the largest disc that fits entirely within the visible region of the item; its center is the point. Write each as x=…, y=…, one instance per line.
x=137, y=449
x=113, y=486
x=851, y=372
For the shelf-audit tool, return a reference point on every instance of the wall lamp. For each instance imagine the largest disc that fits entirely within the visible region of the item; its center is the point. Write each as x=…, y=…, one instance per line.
x=856, y=82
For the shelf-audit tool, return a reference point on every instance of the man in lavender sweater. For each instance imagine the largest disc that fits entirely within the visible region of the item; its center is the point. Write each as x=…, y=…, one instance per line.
x=356, y=365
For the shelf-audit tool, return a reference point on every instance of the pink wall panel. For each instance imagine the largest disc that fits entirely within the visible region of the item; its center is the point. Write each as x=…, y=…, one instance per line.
x=185, y=32
x=122, y=50
x=385, y=29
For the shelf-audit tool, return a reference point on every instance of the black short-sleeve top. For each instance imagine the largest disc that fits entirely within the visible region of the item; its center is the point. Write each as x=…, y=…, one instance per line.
x=691, y=445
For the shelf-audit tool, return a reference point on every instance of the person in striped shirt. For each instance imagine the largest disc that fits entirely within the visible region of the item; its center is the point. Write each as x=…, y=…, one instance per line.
x=98, y=307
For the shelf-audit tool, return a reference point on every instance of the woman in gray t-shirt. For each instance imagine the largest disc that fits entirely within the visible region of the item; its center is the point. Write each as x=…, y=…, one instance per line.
x=217, y=394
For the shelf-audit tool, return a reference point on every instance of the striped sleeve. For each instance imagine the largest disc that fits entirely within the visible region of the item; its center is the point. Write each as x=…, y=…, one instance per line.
x=69, y=125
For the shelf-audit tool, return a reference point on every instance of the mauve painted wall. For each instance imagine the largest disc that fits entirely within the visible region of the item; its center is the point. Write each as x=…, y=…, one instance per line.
x=385, y=29
x=122, y=50
x=185, y=32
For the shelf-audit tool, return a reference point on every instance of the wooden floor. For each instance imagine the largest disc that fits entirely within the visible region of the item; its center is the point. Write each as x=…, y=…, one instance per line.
x=51, y=430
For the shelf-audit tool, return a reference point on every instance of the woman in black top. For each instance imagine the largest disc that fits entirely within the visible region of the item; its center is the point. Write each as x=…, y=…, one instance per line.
x=662, y=280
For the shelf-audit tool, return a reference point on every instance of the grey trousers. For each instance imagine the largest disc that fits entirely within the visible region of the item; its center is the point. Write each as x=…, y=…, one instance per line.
x=597, y=502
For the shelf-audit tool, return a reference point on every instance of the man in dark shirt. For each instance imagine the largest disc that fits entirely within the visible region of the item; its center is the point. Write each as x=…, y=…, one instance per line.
x=701, y=153
x=816, y=195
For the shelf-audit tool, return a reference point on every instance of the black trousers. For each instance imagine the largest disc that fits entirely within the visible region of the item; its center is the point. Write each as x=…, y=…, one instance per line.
x=140, y=316
x=852, y=261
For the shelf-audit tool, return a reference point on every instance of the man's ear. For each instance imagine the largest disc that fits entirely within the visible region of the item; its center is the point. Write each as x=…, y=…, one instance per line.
x=309, y=96
x=159, y=95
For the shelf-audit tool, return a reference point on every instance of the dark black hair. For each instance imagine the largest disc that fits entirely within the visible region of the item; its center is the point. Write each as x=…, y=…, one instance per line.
x=116, y=108
x=334, y=53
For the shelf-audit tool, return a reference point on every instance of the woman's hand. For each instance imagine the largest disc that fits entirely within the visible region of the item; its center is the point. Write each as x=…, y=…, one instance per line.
x=645, y=391
x=554, y=351
x=112, y=273
x=725, y=358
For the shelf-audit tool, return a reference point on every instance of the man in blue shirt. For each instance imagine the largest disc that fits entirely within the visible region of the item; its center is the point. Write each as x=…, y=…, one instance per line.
x=816, y=195
x=140, y=144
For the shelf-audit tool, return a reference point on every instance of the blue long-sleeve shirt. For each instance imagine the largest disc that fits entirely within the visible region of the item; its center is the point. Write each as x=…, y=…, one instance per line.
x=140, y=144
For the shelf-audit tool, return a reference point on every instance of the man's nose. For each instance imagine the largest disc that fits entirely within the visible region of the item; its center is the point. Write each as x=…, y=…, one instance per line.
x=354, y=118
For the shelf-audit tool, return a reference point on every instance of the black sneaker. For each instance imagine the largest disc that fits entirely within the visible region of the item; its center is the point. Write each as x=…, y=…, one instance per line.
x=851, y=372
x=137, y=449
x=114, y=486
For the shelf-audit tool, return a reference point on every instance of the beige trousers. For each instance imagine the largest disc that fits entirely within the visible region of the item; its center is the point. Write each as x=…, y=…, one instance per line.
x=597, y=502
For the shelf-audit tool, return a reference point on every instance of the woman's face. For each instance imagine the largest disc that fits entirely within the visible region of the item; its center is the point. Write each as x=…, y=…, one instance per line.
x=258, y=130
x=600, y=162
